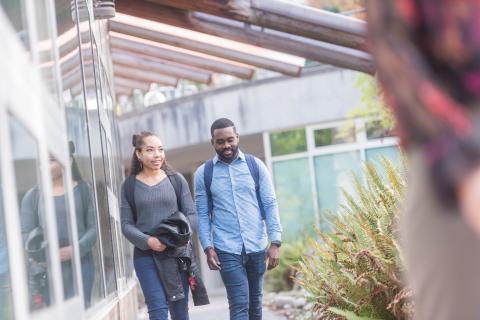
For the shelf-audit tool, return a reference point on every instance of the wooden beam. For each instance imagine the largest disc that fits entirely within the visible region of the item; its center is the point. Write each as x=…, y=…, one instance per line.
x=119, y=90
x=275, y=40
x=311, y=49
x=159, y=66
x=170, y=54
x=140, y=75
x=129, y=83
x=279, y=15
x=207, y=48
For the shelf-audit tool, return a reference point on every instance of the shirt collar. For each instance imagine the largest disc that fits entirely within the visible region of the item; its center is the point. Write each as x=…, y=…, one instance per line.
x=240, y=156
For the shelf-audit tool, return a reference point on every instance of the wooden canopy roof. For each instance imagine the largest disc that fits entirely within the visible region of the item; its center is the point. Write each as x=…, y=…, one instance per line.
x=163, y=41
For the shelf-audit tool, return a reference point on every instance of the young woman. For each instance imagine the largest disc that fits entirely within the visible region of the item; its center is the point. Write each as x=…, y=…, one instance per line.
x=32, y=220
x=154, y=200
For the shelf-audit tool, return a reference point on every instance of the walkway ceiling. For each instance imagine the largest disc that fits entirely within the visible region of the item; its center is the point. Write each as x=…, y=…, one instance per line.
x=168, y=40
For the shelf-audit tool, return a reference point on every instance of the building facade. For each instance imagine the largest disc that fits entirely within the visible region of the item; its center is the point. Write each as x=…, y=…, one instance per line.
x=62, y=254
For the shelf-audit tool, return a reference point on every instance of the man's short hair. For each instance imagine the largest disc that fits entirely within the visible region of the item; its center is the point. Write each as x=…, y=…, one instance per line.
x=221, y=124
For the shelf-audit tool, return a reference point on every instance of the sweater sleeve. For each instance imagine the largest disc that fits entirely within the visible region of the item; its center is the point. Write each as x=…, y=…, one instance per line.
x=129, y=228
x=28, y=214
x=88, y=239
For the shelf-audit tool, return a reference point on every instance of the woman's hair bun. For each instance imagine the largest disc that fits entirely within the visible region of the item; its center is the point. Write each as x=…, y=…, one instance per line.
x=71, y=148
x=134, y=140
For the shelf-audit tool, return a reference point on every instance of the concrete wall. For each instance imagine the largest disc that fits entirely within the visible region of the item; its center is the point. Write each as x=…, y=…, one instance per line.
x=255, y=107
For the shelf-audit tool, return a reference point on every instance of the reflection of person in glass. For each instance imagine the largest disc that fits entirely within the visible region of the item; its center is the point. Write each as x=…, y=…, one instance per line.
x=5, y=298
x=32, y=220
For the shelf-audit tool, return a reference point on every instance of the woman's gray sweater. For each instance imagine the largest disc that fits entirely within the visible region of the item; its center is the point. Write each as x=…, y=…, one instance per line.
x=154, y=203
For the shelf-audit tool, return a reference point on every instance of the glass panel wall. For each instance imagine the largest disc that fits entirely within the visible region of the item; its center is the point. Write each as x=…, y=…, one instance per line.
x=16, y=13
x=375, y=155
x=64, y=228
x=287, y=142
x=79, y=145
x=294, y=196
x=32, y=216
x=331, y=136
x=104, y=209
x=333, y=173
x=6, y=308
x=334, y=152
x=44, y=46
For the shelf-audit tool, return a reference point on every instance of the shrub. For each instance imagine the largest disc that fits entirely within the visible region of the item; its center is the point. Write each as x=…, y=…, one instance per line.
x=282, y=277
x=354, y=271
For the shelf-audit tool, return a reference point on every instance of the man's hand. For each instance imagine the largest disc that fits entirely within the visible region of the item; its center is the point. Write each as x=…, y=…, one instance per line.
x=66, y=253
x=156, y=245
x=212, y=259
x=273, y=256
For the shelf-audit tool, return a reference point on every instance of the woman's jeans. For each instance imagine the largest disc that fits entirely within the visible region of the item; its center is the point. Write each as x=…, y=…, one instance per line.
x=243, y=278
x=155, y=297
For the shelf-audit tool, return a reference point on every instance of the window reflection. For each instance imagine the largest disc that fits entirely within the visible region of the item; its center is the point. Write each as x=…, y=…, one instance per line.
x=6, y=310
x=32, y=215
x=77, y=132
x=15, y=12
x=62, y=215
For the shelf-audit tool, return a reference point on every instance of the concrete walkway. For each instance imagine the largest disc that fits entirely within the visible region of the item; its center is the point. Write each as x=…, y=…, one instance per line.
x=216, y=310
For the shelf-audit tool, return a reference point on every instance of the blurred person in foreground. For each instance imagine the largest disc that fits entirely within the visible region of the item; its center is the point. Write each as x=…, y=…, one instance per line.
x=428, y=60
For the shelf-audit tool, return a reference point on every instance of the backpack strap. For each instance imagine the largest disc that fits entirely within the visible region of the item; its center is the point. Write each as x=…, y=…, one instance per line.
x=177, y=186
x=129, y=186
x=255, y=173
x=207, y=179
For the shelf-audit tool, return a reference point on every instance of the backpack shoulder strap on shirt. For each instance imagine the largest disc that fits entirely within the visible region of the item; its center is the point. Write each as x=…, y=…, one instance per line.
x=177, y=186
x=255, y=173
x=207, y=179
x=129, y=186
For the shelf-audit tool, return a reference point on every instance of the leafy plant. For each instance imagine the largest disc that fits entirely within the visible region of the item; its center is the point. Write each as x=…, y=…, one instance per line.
x=282, y=277
x=354, y=271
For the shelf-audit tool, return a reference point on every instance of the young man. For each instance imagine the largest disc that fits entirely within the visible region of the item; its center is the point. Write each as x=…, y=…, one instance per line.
x=232, y=217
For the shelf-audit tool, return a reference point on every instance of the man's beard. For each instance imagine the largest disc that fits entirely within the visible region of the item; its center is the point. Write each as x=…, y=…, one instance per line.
x=233, y=154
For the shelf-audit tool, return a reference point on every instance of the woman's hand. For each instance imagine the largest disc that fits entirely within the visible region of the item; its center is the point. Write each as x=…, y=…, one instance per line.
x=156, y=245
x=66, y=253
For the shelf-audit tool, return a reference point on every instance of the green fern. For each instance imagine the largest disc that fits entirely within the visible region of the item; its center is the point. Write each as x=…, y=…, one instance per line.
x=354, y=270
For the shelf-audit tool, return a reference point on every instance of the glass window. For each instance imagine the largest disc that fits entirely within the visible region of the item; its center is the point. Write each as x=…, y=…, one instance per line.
x=336, y=135
x=333, y=173
x=77, y=133
x=375, y=130
x=287, y=142
x=102, y=198
x=375, y=154
x=16, y=13
x=294, y=194
x=85, y=208
x=32, y=216
x=6, y=309
x=44, y=46
x=62, y=213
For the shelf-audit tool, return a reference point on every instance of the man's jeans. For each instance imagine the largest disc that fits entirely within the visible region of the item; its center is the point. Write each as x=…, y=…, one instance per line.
x=154, y=292
x=243, y=279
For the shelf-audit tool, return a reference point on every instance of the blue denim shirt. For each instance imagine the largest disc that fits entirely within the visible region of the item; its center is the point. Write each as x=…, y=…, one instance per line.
x=237, y=221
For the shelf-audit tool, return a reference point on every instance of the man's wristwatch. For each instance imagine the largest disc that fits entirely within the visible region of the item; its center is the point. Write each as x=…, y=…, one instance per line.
x=276, y=243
